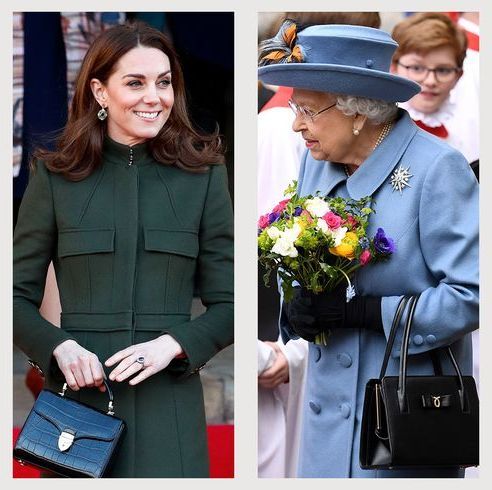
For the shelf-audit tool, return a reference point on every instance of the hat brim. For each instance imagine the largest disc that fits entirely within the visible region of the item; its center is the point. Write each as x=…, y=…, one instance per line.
x=340, y=79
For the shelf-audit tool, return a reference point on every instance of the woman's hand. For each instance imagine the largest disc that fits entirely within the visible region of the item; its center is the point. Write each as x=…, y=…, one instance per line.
x=310, y=314
x=302, y=314
x=80, y=367
x=278, y=372
x=156, y=354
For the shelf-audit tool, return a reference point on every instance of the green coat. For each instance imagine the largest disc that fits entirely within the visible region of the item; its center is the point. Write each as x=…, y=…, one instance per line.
x=129, y=243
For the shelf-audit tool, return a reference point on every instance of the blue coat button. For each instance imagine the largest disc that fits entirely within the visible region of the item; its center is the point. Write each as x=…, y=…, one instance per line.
x=315, y=407
x=317, y=354
x=431, y=339
x=418, y=339
x=369, y=63
x=345, y=410
x=344, y=359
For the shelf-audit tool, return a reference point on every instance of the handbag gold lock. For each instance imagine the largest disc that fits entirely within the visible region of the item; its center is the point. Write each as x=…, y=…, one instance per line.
x=436, y=400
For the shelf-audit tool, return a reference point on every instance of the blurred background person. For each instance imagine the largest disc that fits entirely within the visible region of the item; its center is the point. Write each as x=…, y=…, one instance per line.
x=431, y=52
x=467, y=91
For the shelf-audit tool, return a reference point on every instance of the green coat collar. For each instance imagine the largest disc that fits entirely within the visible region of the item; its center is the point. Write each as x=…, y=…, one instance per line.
x=120, y=154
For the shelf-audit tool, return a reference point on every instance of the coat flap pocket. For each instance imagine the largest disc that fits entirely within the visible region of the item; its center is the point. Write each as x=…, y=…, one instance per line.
x=179, y=242
x=88, y=241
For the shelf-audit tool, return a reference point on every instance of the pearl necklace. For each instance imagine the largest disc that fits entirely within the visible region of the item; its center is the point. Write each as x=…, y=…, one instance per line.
x=384, y=132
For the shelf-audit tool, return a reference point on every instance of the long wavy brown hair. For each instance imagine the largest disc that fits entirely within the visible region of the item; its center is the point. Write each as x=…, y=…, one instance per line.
x=80, y=146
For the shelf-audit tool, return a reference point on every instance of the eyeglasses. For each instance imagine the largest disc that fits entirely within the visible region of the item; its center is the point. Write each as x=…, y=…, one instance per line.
x=419, y=73
x=303, y=112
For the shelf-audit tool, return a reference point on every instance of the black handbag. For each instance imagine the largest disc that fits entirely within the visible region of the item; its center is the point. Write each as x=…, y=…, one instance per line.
x=419, y=421
x=68, y=437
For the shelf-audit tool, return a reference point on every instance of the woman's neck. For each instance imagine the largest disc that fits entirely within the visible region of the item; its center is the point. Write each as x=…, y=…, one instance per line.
x=364, y=145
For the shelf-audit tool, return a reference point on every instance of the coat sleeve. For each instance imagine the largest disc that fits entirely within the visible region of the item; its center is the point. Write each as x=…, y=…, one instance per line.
x=204, y=336
x=448, y=234
x=34, y=246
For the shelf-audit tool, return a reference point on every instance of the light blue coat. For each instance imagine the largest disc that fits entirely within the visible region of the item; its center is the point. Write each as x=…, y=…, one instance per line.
x=434, y=223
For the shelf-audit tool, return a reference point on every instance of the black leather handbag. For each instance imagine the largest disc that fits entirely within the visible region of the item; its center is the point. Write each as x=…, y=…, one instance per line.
x=419, y=421
x=68, y=437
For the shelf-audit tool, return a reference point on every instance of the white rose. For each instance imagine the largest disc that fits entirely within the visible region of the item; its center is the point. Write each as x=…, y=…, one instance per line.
x=284, y=246
x=292, y=233
x=317, y=207
x=338, y=235
x=321, y=224
x=274, y=232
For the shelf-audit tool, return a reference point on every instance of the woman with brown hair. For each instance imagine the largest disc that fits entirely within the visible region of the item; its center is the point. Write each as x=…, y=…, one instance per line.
x=133, y=210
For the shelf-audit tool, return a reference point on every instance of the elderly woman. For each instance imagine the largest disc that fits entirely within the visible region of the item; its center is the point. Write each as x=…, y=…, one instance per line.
x=359, y=143
x=134, y=212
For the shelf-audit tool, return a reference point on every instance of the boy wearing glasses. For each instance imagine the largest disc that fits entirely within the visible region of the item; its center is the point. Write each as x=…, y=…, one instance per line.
x=431, y=52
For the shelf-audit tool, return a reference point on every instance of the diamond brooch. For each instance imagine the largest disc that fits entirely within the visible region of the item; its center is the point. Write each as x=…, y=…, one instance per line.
x=399, y=179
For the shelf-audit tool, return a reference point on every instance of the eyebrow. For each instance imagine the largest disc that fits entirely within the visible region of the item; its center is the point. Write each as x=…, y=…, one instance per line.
x=140, y=76
x=439, y=65
x=306, y=105
x=414, y=56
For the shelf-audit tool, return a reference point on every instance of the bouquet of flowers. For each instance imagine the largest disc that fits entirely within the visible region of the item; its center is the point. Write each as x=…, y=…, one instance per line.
x=319, y=242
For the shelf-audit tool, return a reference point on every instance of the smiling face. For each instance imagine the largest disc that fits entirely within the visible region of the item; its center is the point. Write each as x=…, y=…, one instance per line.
x=329, y=135
x=434, y=92
x=138, y=95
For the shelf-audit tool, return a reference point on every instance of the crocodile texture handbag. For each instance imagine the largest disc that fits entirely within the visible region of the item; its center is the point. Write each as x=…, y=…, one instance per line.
x=419, y=421
x=68, y=437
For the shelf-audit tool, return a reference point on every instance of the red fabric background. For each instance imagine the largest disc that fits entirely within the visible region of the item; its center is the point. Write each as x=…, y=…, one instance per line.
x=220, y=448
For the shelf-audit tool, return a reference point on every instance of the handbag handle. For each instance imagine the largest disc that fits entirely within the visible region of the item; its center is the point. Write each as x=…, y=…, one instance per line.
x=391, y=338
x=404, y=358
x=109, y=391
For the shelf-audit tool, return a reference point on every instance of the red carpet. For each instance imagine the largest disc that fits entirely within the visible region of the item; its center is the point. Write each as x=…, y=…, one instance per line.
x=220, y=448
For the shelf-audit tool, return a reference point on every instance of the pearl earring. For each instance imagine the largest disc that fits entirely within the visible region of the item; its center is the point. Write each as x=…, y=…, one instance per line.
x=355, y=132
x=102, y=114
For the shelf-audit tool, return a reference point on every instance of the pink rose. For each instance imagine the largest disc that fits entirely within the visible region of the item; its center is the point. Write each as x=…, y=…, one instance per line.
x=365, y=257
x=332, y=220
x=280, y=206
x=307, y=215
x=263, y=221
x=351, y=222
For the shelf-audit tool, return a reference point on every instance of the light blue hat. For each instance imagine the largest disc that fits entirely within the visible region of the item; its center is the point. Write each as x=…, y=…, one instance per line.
x=341, y=59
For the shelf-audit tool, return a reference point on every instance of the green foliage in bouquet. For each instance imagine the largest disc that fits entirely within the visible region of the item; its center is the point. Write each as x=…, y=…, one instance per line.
x=318, y=242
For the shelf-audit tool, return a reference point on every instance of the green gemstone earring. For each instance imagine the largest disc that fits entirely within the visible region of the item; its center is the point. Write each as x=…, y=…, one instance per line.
x=102, y=114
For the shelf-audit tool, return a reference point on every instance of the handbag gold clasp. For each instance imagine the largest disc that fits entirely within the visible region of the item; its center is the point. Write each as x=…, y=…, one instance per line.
x=436, y=400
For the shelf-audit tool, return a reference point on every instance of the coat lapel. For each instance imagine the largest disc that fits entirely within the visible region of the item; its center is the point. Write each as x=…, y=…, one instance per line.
x=319, y=176
x=336, y=175
x=376, y=169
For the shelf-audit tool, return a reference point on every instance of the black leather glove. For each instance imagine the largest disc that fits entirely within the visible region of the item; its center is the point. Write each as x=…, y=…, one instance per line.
x=310, y=314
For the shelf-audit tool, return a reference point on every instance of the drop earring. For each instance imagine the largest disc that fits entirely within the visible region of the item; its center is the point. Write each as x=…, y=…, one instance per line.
x=102, y=114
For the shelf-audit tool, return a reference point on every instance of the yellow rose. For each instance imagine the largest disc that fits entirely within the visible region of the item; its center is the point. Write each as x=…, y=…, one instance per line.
x=301, y=222
x=347, y=247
